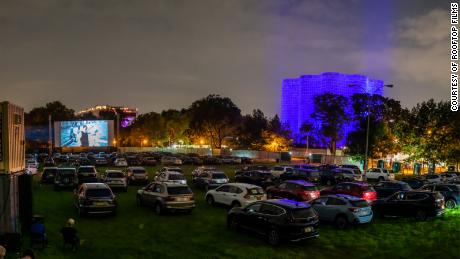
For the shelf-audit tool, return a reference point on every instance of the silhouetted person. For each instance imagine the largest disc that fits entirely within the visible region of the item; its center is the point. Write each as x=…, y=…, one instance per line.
x=84, y=137
x=69, y=234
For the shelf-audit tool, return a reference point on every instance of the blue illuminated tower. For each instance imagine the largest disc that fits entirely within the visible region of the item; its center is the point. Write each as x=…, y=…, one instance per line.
x=298, y=94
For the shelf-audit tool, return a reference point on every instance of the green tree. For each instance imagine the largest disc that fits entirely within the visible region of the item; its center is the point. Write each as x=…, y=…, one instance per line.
x=251, y=129
x=214, y=117
x=329, y=110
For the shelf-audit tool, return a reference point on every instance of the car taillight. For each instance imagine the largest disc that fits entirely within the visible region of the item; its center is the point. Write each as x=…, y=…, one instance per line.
x=353, y=209
x=369, y=196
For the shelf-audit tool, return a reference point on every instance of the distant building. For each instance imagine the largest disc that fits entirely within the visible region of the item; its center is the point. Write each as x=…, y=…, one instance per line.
x=298, y=94
x=127, y=115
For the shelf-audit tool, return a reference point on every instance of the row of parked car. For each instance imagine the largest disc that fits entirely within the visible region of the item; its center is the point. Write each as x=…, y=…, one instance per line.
x=282, y=208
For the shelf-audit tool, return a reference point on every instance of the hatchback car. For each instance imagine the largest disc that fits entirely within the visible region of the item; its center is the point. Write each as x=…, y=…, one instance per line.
x=451, y=193
x=338, y=175
x=137, y=174
x=343, y=210
x=120, y=162
x=419, y=204
x=170, y=160
x=87, y=174
x=149, y=161
x=278, y=220
x=415, y=183
x=48, y=175
x=260, y=178
x=387, y=188
x=66, y=178
x=297, y=190
x=357, y=189
x=94, y=198
x=235, y=194
x=210, y=180
x=166, y=197
x=116, y=179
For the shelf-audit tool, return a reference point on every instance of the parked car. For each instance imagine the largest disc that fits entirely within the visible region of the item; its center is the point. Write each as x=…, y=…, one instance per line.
x=246, y=160
x=171, y=177
x=260, y=178
x=100, y=160
x=415, y=183
x=94, y=198
x=278, y=220
x=166, y=197
x=355, y=168
x=133, y=160
x=211, y=160
x=120, y=162
x=297, y=190
x=387, y=188
x=171, y=169
x=358, y=189
x=49, y=162
x=379, y=174
x=32, y=166
x=170, y=160
x=419, y=204
x=48, y=175
x=343, y=210
x=278, y=170
x=306, y=167
x=210, y=180
x=137, y=174
x=448, y=176
x=235, y=194
x=262, y=168
x=116, y=179
x=66, y=178
x=451, y=193
x=338, y=175
x=87, y=174
x=433, y=178
x=149, y=161
x=301, y=174
x=201, y=169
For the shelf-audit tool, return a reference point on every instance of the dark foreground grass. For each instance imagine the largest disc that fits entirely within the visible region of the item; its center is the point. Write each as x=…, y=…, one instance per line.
x=139, y=233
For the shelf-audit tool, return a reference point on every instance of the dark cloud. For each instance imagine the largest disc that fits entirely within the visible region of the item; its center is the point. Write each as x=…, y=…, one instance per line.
x=156, y=55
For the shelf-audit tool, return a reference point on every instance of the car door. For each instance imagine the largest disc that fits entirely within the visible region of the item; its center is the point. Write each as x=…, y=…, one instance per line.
x=319, y=205
x=147, y=194
x=264, y=218
x=221, y=193
x=395, y=204
x=332, y=208
x=248, y=218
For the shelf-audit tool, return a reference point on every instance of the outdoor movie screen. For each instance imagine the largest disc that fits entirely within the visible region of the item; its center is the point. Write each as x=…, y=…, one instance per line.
x=91, y=133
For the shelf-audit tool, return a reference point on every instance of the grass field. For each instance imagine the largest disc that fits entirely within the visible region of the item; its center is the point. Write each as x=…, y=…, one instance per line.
x=139, y=233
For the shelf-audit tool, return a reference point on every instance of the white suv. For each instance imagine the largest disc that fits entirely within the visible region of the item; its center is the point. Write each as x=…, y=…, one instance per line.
x=379, y=174
x=235, y=194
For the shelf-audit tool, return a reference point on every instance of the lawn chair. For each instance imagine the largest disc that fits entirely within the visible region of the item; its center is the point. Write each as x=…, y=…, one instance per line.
x=70, y=238
x=37, y=232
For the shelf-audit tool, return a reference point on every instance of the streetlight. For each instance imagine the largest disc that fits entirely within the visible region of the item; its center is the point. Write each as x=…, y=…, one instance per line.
x=367, y=128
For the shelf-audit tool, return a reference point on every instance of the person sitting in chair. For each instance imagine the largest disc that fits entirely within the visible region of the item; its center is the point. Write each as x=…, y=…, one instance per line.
x=69, y=234
x=37, y=231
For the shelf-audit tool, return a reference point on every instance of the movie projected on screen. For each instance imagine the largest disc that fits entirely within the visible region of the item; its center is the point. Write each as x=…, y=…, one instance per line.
x=93, y=133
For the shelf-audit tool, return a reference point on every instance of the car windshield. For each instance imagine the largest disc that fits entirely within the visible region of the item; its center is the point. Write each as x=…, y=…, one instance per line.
x=138, y=171
x=86, y=170
x=179, y=190
x=359, y=203
x=50, y=171
x=405, y=187
x=219, y=176
x=97, y=193
x=303, y=213
x=176, y=177
x=115, y=175
x=256, y=191
x=454, y=187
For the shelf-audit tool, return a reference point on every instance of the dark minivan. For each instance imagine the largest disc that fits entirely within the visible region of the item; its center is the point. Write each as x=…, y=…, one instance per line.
x=278, y=220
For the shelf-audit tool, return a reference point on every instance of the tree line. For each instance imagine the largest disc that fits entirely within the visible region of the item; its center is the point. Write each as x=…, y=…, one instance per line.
x=428, y=131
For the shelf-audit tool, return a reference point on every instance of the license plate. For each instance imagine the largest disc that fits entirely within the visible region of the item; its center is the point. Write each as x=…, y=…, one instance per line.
x=308, y=229
x=181, y=199
x=100, y=203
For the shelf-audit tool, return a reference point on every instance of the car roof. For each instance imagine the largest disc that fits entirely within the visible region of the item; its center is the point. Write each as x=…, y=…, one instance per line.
x=168, y=184
x=66, y=168
x=96, y=185
x=173, y=172
x=50, y=167
x=113, y=171
x=87, y=166
x=301, y=182
x=136, y=168
x=393, y=181
x=345, y=196
x=289, y=203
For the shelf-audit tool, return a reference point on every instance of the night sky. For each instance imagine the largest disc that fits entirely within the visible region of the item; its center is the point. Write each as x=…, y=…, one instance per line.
x=156, y=55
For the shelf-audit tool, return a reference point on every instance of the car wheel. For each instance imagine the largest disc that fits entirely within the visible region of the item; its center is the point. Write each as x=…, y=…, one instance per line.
x=421, y=215
x=158, y=209
x=210, y=200
x=451, y=204
x=341, y=222
x=273, y=237
x=381, y=179
x=236, y=204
